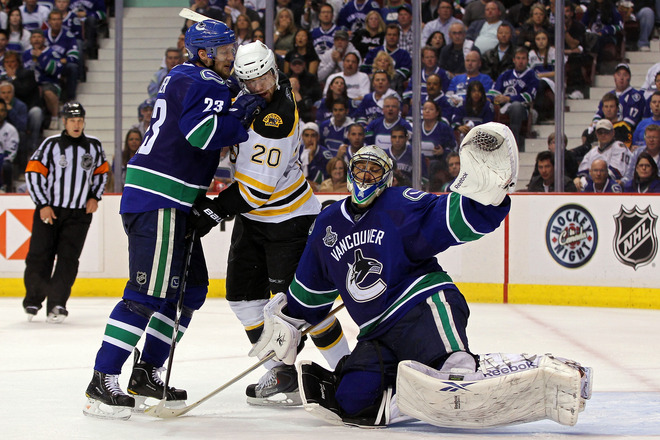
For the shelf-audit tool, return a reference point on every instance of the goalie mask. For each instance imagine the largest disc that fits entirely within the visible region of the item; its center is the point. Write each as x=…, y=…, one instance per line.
x=208, y=35
x=369, y=173
x=255, y=68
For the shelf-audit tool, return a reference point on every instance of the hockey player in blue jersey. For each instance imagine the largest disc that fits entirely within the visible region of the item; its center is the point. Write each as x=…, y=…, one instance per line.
x=377, y=250
x=193, y=119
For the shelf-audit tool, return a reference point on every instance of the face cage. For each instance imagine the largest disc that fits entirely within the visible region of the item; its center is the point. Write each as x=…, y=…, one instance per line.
x=363, y=192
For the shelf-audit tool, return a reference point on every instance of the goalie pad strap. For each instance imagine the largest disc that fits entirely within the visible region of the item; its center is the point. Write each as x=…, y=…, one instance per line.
x=551, y=389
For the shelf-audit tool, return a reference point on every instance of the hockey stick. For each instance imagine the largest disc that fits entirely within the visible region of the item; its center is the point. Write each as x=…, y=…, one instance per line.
x=179, y=310
x=189, y=14
x=167, y=413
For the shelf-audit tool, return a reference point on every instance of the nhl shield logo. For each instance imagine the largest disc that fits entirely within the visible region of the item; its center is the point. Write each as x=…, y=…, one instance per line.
x=141, y=278
x=635, y=240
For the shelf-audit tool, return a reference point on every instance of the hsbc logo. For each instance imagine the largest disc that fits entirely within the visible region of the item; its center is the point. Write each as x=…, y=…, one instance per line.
x=15, y=233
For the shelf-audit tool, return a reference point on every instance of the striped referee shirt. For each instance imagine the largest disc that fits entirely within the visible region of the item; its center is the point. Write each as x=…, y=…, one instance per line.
x=65, y=172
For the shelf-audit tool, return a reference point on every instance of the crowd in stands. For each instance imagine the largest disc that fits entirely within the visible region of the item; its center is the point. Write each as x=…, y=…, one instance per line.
x=43, y=48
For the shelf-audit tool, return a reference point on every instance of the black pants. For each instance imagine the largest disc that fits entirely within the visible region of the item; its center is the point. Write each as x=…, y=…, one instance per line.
x=65, y=239
x=263, y=257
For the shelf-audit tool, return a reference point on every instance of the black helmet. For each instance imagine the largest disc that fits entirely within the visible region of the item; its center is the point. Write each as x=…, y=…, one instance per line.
x=73, y=110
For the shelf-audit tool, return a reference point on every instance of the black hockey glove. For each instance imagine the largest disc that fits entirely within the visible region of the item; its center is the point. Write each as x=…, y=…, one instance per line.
x=246, y=108
x=203, y=217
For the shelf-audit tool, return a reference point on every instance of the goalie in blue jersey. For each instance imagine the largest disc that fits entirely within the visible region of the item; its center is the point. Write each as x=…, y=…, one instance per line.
x=377, y=251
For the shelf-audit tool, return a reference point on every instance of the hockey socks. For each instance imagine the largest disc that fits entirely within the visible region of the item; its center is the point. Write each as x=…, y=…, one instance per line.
x=159, y=333
x=330, y=340
x=122, y=333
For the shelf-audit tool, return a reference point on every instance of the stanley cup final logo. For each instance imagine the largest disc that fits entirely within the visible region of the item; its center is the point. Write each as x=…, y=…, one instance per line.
x=635, y=240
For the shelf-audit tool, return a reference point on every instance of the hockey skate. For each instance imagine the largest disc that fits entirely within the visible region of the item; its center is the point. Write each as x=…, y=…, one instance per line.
x=146, y=383
x=57, y=315
x=31, y=312
x=106, y=400
x=279, y=386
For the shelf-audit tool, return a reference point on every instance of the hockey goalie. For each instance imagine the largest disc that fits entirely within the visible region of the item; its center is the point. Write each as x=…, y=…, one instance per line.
x=377, y=251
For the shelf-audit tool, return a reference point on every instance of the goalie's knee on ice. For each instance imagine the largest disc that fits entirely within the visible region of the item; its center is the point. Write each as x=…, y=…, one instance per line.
x=358, y=390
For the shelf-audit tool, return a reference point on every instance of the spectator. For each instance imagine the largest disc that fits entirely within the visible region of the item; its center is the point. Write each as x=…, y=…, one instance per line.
x=205, y=7
x=337, y=170
x=332, y=59
x=285, y=30
x=647, y=109
x=8, y=149
x=303, y=104
x=34, y=15
x=405, y=24
x=242, y=29
x=390, y=10
x=483, y=33
x=323, y=35
x=145, y=110
x=609, y=105
x=371, y=106
x=631, y=101
x=64, y=43
x=430, y=10
x=542, y=61
x=475, y=110
x=47, y=69
x=19, y=37
x=459, y=83
x=385, y=63
x=305, y=51
x=580, y=60
x=651, y=147
x=378, y=131
x=598, y=181
x=336, y=90
x=538, y=21
x=654, y=105
x=570, y=162
x=650, y=81
x=436, y=41
x=442, y=23
x=4, y=40
x=235, y=8
x=310, y=89
x=17, y=115
x=355, y=137
x=476, y=10
x=357, y=83
x=645, y=178
x=354, y=13
x=26, y=90
x=402, y=156
x=371, y=36
x=514, y=91
x=314, y=157
x=453, y=168
x=437, y=140
x=638, y=21
x=132, y=142
x=333, y=130
x=433, y=92
x=544, y=181
x=602, y=18
x=402, y=59
x=452, y=56
x=518, y=14
x=92, y=14
x=613, y=152
x=172, y=59
x=70, y=21
x=500, y=58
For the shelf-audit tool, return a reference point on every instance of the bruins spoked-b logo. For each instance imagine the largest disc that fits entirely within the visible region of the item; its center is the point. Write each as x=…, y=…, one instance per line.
x=571, y=236
x=635, y=241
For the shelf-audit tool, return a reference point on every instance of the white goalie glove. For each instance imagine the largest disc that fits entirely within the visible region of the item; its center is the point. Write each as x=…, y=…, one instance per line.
x=489, y=164
x=281, y=333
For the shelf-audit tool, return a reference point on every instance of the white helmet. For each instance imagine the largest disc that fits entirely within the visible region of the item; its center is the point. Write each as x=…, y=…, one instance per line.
x=254, y=60
x=364, y=193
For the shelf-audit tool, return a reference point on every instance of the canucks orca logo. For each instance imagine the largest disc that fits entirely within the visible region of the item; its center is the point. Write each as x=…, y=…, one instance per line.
x=357, y=276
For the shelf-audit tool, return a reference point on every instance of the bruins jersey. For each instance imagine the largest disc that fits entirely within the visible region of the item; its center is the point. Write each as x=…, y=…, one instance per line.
x=266, y=167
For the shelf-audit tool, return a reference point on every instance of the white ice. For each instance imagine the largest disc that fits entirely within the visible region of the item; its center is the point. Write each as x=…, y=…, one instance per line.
x=45, y=369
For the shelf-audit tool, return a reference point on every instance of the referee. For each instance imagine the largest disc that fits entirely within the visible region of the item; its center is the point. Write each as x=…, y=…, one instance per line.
x=66, y=177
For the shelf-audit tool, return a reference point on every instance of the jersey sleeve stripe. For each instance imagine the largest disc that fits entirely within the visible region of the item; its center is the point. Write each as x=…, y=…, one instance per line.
x=247, y=195
x=310, y=298
x=458, y=224
x=104, y=168
x=36, y=167
x=253, y=182
x=167, y=186
x=202, y=133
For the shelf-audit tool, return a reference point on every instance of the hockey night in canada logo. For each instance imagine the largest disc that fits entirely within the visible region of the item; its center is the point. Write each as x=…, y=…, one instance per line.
x=571, y=236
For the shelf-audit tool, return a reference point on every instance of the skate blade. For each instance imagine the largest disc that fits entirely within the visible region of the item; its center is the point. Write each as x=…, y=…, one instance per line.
x=279, y=399
x=97, y=409
x=54, y=319
x=142, y=403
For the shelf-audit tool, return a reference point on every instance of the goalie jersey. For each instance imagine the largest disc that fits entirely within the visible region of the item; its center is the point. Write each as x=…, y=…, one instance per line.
x=368, y=262
x=181, y=149
x=267, y=168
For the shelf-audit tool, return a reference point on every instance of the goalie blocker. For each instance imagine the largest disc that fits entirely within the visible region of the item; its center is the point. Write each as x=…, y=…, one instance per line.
x=506, y=389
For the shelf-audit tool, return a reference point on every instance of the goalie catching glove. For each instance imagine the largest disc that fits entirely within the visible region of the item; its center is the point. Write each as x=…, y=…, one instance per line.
x=489, y=164
x=281, y=333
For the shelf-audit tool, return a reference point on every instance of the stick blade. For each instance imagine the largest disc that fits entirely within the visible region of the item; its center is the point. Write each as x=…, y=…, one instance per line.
x=189, y=14
x=162, y=412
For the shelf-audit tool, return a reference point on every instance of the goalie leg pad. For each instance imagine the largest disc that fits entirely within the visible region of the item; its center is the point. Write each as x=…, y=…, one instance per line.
x=546, y=388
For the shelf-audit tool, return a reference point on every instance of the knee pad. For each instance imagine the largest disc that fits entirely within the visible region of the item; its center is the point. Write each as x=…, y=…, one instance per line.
x=195, y=297
x=144, y=310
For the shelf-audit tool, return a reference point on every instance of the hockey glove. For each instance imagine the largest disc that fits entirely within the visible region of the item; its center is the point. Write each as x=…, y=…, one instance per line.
x=246, y=108
x=489, y=164
x=203, y=217
x=281, y=333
